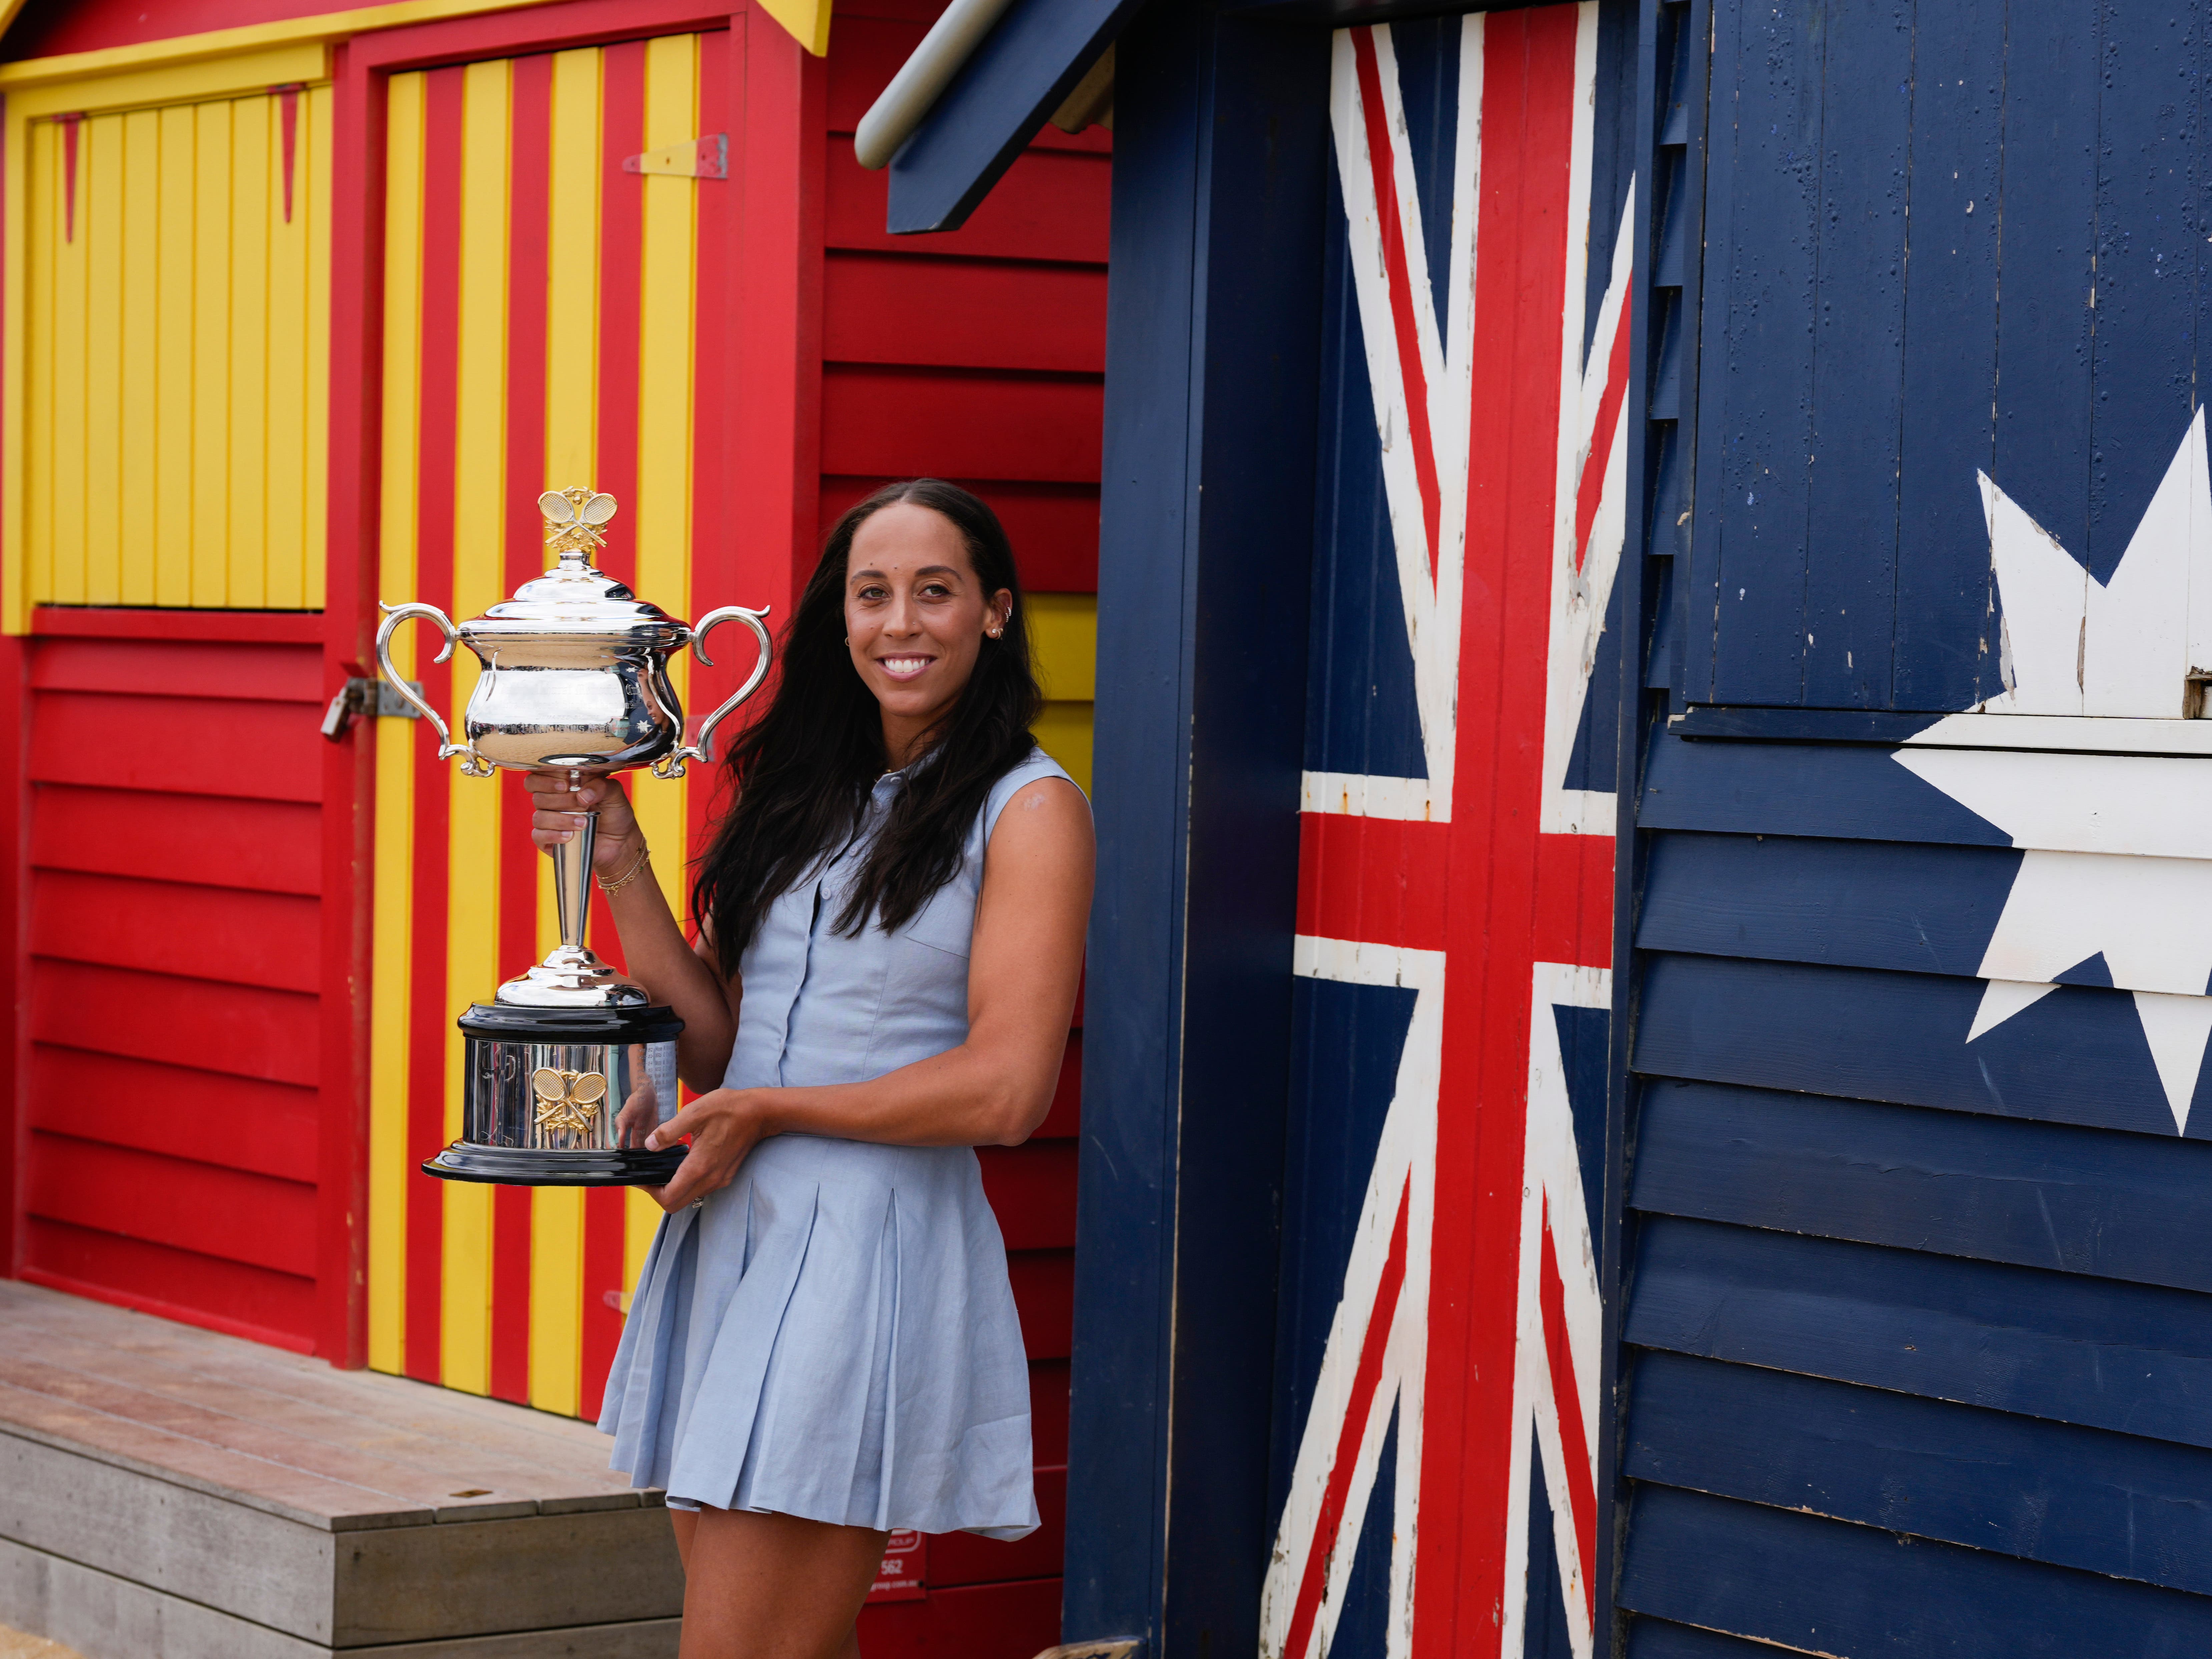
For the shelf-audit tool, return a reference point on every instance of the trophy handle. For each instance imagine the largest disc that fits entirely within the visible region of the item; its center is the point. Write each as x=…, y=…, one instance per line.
x=673, y=765
x=394, y=615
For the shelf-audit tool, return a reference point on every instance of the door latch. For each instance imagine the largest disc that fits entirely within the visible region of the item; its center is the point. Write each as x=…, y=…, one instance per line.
x=363, y=694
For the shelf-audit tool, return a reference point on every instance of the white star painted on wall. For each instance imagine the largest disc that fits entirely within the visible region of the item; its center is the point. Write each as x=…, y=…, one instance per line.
x=2119, y=847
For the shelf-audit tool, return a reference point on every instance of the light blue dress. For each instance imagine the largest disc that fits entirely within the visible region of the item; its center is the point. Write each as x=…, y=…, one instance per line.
x=832, y=1336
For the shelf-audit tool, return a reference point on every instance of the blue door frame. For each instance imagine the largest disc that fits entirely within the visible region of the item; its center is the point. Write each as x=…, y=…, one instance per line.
x=1212, y=364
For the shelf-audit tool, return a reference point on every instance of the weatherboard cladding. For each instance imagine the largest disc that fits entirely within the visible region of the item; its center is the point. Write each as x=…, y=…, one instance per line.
x=1917, y=1325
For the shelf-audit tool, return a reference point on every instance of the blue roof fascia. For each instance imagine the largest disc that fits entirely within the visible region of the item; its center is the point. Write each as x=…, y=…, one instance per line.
x=1017, y=77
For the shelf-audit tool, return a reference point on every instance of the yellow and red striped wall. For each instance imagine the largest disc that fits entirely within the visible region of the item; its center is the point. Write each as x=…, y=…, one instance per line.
x=736, y=361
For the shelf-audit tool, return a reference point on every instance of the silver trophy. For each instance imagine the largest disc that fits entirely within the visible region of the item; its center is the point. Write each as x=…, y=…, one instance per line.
x=570, y=1065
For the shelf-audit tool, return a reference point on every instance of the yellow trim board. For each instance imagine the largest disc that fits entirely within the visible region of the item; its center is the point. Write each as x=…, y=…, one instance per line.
x=14, y=586
x=808, y=21
x=175, y=83
x=319, y=29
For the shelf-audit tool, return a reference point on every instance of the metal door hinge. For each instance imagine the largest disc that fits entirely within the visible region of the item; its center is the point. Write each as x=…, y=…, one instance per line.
x=695, y=158
x=362, y=695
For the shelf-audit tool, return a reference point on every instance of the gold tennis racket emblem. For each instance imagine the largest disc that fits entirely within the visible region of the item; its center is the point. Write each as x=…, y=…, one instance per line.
x=567, y=1102
x=575, y=520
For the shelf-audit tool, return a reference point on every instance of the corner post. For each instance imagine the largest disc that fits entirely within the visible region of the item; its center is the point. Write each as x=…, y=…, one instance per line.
x=1206, y=549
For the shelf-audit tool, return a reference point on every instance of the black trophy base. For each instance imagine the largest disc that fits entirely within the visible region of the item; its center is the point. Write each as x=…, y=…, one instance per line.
x=525, y=1166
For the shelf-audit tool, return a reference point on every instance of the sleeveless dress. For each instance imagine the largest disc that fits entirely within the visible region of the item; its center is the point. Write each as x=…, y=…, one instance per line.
x=832, y=1336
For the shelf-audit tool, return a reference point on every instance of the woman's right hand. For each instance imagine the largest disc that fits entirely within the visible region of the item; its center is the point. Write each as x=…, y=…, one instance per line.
x=555, y=806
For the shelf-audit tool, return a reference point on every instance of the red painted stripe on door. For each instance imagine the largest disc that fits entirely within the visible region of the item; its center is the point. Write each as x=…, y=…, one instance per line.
x=1402, y=277
x=621, y=271
x=714, y=564
x=434, y=583
x=528, y=250
x=621, y=225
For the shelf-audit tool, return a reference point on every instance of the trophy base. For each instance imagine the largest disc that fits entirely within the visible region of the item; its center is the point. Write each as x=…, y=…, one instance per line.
x=564, y=1098
x=530, y=1166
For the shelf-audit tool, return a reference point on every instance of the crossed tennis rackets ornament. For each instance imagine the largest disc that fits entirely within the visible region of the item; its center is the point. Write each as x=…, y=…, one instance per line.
x=574, y=519
x=567, y=1102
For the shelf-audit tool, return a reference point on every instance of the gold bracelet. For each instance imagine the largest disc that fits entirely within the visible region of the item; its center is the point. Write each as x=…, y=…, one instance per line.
x=644, y=858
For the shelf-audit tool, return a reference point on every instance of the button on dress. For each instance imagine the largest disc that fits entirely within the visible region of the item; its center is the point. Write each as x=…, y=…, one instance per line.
x=832, y=1336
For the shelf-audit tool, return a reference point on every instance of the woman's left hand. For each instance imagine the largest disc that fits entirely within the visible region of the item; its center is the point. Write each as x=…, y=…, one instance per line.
x=724, y=1125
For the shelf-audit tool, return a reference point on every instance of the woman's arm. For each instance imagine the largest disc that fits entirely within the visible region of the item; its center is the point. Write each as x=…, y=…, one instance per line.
x=994, y=1089
x=653, y=945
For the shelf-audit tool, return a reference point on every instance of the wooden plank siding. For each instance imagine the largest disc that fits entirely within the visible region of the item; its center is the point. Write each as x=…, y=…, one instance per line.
x=176, y=300
x=170, y=1129
x=980, y=356
x=977, y=355
x=1914, y=1322
x=2041, y=323
x=509, y=367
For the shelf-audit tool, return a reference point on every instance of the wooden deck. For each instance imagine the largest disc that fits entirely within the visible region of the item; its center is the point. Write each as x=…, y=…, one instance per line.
x=167, y=1493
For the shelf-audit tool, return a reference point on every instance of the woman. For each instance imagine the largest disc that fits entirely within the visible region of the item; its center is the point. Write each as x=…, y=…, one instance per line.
x=823, y=1345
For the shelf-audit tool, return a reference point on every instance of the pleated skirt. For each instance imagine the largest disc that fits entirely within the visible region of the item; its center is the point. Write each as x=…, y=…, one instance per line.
x=831, y=1336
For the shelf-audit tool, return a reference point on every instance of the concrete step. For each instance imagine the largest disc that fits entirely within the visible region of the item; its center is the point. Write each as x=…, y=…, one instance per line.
x=170, y=1493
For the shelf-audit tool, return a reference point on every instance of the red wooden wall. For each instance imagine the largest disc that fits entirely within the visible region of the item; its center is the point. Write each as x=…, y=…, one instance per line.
x=979, y=356
x=171, y=1021
x=168, y=1082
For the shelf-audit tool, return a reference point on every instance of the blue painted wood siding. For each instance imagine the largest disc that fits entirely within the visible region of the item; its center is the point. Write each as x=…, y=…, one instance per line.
x=1941, y=240
x=1916, y=1347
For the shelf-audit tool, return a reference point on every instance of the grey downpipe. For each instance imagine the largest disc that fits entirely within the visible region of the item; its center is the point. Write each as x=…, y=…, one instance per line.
x=921, y=80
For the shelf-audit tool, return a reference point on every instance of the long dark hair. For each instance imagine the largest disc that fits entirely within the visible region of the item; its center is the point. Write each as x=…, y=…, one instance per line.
x=800, y=775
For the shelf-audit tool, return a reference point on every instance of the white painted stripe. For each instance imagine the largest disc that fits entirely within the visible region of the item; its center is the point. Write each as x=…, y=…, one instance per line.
x=1552, y=1172
x=1351, y=794
x=1431, y=602
x=1360, y=962
x=1427, y=338
x=1580, y=593
x=2072, y=803
x=2061, y=733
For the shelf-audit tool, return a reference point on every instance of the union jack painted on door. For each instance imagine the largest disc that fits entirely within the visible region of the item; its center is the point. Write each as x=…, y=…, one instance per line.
x=1436, y=1395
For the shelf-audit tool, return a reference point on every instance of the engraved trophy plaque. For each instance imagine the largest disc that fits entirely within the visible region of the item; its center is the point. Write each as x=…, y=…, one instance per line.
x=570, y=1066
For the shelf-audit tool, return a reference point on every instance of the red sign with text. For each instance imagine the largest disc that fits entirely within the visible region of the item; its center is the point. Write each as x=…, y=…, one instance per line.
x=905, y=1575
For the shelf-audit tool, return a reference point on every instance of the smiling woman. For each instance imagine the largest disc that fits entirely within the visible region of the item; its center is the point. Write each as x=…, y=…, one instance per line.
x=913, y=603
x=823, y=1345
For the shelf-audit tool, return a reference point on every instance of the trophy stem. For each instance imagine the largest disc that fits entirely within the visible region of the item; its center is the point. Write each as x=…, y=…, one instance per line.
x=572, y=880
x=571, y=976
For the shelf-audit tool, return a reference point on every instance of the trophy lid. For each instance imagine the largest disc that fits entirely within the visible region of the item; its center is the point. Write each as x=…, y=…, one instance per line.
x=575, y=597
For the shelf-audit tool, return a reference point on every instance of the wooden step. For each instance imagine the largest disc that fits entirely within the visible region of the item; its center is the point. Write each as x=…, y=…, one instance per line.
x=169, y=1493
